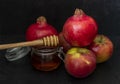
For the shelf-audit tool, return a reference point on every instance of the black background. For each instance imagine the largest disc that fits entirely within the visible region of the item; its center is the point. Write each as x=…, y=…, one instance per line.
x=17, y=15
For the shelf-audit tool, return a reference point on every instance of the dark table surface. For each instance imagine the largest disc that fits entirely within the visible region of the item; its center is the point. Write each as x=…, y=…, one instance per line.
x=17, y=15
x=21, y=71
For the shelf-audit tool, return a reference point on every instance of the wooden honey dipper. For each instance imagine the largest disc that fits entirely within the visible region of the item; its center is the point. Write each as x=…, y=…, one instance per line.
x=45, y=41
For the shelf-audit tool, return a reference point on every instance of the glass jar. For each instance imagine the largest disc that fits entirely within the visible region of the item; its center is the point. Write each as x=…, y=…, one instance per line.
x=16, y=53
x=45, y=59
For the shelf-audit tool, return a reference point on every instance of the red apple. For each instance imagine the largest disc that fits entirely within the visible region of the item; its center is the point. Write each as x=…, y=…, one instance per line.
x=80, y=62
x=66, y=46
x=102, y=46
x=80, y=29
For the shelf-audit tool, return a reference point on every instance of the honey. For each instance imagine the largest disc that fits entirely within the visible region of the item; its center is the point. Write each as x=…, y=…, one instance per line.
x=45, y=59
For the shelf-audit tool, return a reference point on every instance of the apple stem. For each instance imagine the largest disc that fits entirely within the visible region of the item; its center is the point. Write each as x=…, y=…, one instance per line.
x=101, y=39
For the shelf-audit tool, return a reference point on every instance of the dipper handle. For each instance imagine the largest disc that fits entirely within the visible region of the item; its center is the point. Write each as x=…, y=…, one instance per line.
x=45, y=41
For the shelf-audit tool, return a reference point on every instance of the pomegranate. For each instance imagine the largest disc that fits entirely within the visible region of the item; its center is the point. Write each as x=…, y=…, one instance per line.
x=80, y=29
x=40, y=29
x=66, y=46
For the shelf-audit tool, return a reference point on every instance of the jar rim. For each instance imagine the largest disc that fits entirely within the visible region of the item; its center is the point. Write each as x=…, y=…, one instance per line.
x=45, y=51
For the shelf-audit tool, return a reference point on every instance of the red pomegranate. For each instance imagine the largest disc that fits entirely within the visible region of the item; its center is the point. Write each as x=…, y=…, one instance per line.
x=40, y=29
x=80, y=29
x=63, y=43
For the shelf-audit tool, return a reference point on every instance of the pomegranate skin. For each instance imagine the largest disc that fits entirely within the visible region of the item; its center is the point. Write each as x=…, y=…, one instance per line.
x=80, y=30
x=39, y=30
x=63, y=43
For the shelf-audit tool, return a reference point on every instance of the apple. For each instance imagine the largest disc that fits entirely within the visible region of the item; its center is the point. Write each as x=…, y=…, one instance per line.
x=80, y=62
x=102, y=46
x=66, y=46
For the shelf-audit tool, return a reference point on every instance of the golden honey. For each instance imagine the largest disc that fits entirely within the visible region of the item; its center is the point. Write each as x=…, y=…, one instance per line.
x=45, y=59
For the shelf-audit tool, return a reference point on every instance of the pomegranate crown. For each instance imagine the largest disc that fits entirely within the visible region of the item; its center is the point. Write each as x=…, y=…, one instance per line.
x=78, y=11
x=41, y=20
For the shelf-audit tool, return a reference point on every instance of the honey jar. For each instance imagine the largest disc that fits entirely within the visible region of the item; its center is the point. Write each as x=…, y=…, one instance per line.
x=45, y=59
